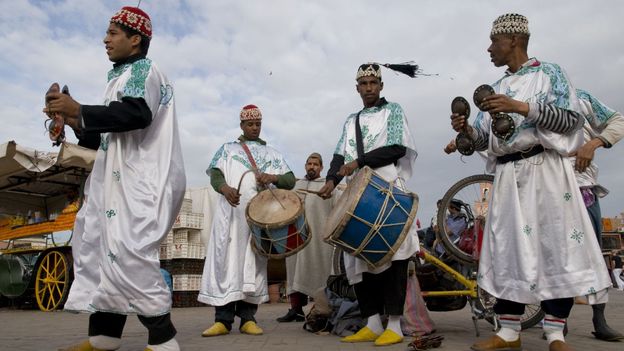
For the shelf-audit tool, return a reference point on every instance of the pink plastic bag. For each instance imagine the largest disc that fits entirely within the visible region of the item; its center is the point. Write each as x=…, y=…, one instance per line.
x=415, y=319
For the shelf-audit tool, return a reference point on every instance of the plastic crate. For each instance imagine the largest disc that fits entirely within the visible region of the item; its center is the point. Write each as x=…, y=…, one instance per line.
x=189, y=220
x=186, y=299
x=165, y=252
x=186, y=235
x=186, y=266
x=187, y=205
x=187, y=250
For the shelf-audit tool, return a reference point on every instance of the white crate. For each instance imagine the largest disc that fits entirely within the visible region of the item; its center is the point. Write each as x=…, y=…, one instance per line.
x=168, y=238
x=189, y=220
x=186, y=235
x=186, y=282
x=188, y=250
x=165, y=252
x=187, y=205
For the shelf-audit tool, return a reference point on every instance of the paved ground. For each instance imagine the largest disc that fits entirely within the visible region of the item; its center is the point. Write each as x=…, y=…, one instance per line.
x=34, y=330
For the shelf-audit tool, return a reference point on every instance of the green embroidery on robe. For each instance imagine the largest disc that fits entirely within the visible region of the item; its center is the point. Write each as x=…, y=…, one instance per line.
x=577, y=236
x=110, y=213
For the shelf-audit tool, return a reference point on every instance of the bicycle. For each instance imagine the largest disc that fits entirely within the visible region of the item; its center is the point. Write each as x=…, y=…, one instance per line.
x=472, y=193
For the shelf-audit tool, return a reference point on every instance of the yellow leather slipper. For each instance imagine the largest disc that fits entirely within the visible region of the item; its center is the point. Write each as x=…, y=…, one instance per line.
x=251, y=328
x=83, y=346
x=217, y=329
x=388, y=337
x=363, y=335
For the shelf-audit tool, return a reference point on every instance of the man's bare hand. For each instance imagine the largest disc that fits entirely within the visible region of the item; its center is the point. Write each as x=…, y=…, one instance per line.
x=231, y=195
x=585, y=154
x=266, y=179
x=459, y=123
x=450, y=147
x=348, y=169
x=501, y=103
x=326, y=191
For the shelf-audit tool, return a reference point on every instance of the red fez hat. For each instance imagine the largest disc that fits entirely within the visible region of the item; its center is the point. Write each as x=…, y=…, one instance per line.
x=250, y=112
x=134, y=18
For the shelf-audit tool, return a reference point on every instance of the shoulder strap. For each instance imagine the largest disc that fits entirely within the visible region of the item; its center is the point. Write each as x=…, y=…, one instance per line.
x=249, y=156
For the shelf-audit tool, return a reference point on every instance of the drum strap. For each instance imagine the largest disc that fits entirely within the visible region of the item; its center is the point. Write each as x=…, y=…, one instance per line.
x=251, y=159
x=358, y=136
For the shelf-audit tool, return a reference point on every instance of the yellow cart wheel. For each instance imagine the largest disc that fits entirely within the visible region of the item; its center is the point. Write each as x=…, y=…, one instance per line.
x=52, y=281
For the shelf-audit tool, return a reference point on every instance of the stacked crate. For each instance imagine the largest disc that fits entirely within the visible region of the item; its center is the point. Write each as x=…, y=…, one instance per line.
x=182, y=254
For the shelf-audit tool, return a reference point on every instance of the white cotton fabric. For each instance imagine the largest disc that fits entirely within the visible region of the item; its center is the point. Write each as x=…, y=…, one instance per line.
x=132, y=197
x=539, y=242
x=233, y=271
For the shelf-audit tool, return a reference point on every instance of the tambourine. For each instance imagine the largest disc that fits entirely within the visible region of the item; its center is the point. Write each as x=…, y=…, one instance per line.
x=463, y=142
x=56, y=123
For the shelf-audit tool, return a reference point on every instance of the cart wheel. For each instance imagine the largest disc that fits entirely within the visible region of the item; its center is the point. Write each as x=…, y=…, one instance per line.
x=52, y=281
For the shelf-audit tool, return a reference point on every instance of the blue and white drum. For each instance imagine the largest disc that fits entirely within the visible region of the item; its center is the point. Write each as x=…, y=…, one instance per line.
x=277, y=221
x=371, y=218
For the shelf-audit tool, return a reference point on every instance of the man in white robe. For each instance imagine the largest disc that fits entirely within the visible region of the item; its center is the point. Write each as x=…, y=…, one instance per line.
x=235, y=277
x=308, y=269
x=603, y=127
x=386, y=146
x=539, y=245
x=132, y=195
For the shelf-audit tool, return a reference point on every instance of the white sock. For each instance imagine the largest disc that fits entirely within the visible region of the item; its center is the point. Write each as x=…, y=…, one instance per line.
x=394, y=324
x=171, y=345
x=510, y=327
x=103, y=342
x=374, y=324
x=553, y=328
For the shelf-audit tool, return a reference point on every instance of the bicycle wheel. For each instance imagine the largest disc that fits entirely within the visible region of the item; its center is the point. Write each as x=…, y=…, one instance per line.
x=533, y=314
x=463, y=211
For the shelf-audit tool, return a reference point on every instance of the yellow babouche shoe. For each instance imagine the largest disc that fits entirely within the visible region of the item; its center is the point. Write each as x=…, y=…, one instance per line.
x=217, y=329
x=251, y=328
x=83, y=346
x=363, y=335
x=388, y=337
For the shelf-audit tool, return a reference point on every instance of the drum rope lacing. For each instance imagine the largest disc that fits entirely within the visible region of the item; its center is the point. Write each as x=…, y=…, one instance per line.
x=379, y=223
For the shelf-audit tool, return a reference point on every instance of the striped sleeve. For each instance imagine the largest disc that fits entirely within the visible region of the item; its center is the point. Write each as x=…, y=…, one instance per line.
x=555, y=119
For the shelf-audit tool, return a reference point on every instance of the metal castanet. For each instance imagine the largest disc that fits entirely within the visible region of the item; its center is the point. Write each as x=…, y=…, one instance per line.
x=481, y=93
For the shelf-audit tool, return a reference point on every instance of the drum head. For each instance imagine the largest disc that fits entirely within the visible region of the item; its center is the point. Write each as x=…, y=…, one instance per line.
x=347, y=203
x=266, y=210
x=460, y=106
x=481, y=93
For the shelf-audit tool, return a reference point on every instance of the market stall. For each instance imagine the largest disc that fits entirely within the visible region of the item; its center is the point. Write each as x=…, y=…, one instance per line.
x=39, y=197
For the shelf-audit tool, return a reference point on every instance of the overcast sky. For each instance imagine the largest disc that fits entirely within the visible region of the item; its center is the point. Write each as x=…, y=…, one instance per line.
x=297, y=59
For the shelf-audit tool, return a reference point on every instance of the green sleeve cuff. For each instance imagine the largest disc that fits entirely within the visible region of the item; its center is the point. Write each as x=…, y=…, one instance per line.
x=217, y=179
x=286, y=181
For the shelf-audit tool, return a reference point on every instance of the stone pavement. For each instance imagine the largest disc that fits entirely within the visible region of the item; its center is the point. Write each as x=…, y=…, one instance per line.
x=35, y=330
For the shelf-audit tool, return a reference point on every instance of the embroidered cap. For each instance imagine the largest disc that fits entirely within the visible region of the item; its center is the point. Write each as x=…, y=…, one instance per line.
x=510, y=23
x=134, y=18
x=370, y=69
x=250, y=112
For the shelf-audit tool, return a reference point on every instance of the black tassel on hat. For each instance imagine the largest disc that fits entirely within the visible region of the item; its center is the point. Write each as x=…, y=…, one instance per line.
x=408, y=68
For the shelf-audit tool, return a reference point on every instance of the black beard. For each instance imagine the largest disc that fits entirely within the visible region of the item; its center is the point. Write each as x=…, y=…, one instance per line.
x=311, y=175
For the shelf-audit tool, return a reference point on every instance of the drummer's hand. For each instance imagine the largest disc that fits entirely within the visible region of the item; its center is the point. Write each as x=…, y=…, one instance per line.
x=326, y=191
x=348, y=168
x=501, y=103
x=231, y=195
x=450, y=147
x=265, y=179
x=459, y=124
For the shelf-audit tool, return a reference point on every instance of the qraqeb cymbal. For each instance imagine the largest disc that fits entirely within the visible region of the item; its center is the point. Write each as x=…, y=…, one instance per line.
x=481, y=93
x=460, y=106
